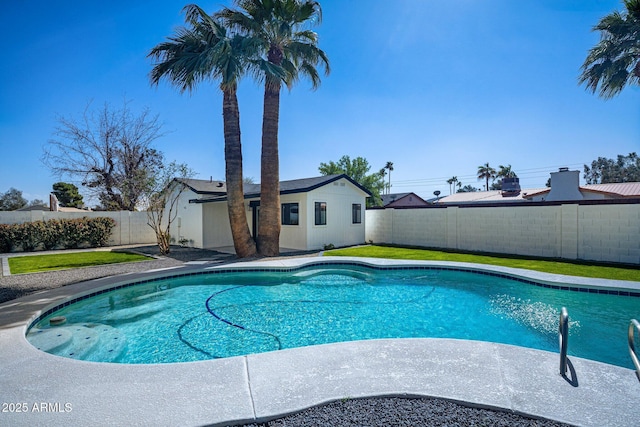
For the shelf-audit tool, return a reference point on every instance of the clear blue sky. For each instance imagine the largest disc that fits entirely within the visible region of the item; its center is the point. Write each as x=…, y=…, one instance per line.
x=437, y=87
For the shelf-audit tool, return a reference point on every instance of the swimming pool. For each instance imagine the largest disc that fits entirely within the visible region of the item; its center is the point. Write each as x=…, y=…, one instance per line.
x=208, y=316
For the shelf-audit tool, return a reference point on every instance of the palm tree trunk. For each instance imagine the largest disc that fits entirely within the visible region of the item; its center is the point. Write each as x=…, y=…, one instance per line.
x=269, y=225
x=389, y=187
x=242, y=241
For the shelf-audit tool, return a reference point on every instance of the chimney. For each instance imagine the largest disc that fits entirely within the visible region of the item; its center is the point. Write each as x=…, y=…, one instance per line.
x=53, y=203
x=565, y=186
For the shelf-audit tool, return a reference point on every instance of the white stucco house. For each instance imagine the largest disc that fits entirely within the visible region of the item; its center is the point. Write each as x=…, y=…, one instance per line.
x=315, y=212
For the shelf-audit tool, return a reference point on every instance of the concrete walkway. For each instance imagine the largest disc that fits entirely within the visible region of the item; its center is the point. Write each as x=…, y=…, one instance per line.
x=41, y=389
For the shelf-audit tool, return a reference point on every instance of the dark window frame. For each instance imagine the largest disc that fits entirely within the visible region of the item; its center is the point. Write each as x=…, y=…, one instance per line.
x=356, y=213
x=286, y=212
x=320, y=213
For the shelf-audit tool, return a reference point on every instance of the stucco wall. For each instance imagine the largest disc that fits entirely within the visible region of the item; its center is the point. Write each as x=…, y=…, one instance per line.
x=295, y=236
x=216, y=228
x=131, y=227
x=339, y=230
x=188, y=220
x=599, y=232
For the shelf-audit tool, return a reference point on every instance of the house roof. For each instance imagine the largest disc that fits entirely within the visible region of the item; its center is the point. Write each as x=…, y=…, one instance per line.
x=618, y=189
x=623, y=189
x=488, y=197
x=204, y=186
x=66, y=209
x=388, y=199
x=615, y=190
x=289, y=187
x=34, y=208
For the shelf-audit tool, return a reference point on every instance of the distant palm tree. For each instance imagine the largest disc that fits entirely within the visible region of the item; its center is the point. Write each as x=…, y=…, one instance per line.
x=287, y=52
x=615, y=61
x=453, y=180
x=506, y=172
x=205, y=51
x=486, y=172
x=389, y=167
x=383, y=173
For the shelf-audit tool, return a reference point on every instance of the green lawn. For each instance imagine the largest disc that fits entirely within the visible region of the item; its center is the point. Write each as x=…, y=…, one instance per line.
x=39, y=263
x=547, y=266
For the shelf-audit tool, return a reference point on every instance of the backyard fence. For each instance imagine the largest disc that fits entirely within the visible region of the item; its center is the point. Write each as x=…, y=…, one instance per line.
x=606, y=231
x=131, y=227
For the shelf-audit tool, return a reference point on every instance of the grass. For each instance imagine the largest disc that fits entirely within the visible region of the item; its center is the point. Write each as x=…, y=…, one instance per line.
x=40, y=263
x=548, y=266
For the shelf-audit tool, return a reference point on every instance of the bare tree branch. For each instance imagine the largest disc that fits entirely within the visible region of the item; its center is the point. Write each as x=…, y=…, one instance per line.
x=109, y=151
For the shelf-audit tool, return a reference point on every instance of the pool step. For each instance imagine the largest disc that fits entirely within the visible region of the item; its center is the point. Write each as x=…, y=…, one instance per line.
x=50, y=340
x=84, y=341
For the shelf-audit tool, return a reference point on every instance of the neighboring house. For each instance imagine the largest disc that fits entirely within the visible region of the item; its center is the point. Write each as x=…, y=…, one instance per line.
x=565, y=187
x=54, y=206
x=484, y=197
x=401, y=200
x=33, y=208
x=315, y=212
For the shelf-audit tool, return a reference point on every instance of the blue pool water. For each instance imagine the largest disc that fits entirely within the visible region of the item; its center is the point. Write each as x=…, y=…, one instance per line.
x=212, y=316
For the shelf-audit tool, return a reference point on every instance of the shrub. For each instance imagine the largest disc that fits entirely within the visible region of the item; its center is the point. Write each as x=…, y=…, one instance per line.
x=27, y=235
x=69, y=233
x=51, y=234
x=99, y=230
x=74, y=232
x=7, y=237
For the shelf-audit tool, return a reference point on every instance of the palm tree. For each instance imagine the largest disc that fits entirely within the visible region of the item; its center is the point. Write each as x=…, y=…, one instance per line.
x=486, y=172
x=287, y=52
x=615, y=61
x=206, y=51
x=506, y=172
x=389, y=167
x=451, y=181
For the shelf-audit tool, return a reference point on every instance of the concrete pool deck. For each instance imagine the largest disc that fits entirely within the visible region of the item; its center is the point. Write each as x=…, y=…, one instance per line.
x=52, y=390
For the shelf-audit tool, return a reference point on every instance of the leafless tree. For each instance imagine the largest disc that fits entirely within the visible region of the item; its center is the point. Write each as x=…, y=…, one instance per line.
x=109, y=151
x=161, y=201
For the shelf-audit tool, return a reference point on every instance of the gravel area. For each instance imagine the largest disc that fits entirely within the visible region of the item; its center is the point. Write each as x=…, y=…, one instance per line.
x=16, y=286
x=396, y=411
x=371, y=412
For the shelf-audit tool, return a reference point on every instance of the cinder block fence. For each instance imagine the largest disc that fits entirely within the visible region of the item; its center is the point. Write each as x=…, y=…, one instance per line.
x=606, y=231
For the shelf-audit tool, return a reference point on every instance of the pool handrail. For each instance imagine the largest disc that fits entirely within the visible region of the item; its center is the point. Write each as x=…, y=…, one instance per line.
x=563, y=336
x=633, y=326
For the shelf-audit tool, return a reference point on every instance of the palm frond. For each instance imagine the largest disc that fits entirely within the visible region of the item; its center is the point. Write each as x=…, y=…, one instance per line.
x=614, y=62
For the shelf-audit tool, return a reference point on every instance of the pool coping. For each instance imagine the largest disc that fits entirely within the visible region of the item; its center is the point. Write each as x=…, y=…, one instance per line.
x=61, y=391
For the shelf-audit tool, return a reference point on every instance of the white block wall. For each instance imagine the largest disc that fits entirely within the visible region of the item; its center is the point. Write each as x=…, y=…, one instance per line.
x=131, y=227
x=608, y=233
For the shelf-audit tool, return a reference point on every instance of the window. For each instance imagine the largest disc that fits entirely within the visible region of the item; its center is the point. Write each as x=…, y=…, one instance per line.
x=290, y=214
x=321, y=213
x=356, y=213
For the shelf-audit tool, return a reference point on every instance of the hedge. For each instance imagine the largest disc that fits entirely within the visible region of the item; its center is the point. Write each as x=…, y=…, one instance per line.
x=56, y=233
